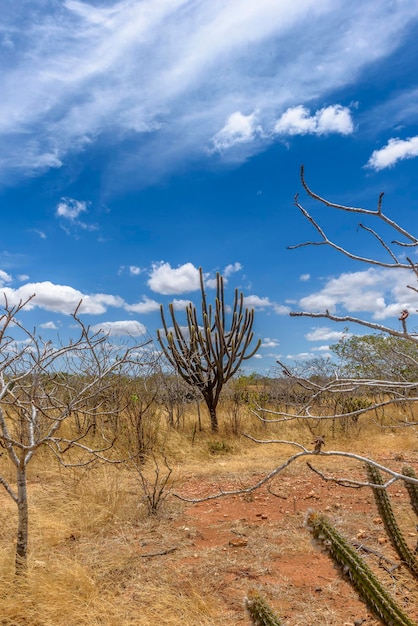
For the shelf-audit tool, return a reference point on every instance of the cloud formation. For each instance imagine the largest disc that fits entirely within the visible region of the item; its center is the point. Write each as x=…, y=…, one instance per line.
x=176, y=78
x=269, y=343
x=167, y=280
x=299, y=121
x=70, y=208
x=323, y=333
x=146, y=306
x=238, y=129
x=381, y=292
x=122, y=328
x=394, y=151
x=49, y=326
x=60, y=298
x=256, y=302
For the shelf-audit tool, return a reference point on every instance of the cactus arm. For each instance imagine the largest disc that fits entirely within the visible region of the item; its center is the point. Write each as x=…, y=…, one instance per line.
x=361, y=576
x=411, y=488
x=386, y=513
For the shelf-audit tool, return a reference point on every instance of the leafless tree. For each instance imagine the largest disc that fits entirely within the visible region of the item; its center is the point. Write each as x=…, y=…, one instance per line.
x=317, y=391
x=354, y=396
x=43, y=386
x=208, y=352
x=174, y=396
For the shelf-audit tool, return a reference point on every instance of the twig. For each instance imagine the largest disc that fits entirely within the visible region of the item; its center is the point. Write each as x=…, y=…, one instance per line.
x=381, y=556
x=160, y=553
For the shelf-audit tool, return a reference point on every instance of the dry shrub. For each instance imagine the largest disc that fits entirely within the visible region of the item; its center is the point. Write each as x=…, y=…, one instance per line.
x=89, y=536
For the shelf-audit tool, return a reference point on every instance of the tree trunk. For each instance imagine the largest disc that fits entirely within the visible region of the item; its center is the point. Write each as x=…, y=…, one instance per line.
x=213, y=419
x=23, y=521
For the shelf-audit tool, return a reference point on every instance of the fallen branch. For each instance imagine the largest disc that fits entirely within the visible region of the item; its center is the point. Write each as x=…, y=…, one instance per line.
x=160, y=553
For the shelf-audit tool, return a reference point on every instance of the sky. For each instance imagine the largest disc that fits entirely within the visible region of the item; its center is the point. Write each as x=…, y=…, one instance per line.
x=143, y=139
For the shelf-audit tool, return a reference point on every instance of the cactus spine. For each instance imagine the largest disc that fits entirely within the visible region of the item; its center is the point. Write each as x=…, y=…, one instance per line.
x=361, y=576
x=386, y=513
x=411, y=488
x=260, y=612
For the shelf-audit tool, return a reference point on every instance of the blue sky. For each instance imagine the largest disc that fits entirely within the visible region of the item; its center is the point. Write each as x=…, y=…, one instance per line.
x=141, y=139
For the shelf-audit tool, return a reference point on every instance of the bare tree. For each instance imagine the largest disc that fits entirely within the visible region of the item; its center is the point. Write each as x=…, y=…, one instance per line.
x=207, y=353
x=317, y=405
x=354, y=396
x=43, y=385
x=383, y=392
x=394, y=251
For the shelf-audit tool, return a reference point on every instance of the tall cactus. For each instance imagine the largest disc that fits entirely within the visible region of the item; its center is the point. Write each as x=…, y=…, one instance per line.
x=261, y=614
x=361, y=576
x=411, y=488
x=210, y=350
x=386, y=513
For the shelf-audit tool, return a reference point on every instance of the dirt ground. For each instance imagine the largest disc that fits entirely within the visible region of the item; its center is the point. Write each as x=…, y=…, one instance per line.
x=259, y=540
x=95, y=554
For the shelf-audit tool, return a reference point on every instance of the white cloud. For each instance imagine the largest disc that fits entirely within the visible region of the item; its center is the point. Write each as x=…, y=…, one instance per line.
x=167, y=75
x=269, y=343
x=60, y=298
x=4, y=278
x=301, y=356
x=298, y=121
x=180, y=305
x=304, y=277
x=394, y=151
x=134, y=270
x=70, y=209
x=238, y=129
x=381, y=292
x=281, y=309
x=256, y=302
x=231, y=269
x=49, y=326
x=226, y=273
x=146, y=306
x=324, y=333
x=40, y=233
x=167, y=280
x=120, y=329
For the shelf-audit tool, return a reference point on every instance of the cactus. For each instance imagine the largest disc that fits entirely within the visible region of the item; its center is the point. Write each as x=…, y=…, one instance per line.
x=386, y=513
x=411, y=488
x=361, y=576
x=260, y=612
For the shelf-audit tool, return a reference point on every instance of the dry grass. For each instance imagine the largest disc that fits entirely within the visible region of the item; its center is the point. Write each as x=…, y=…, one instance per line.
x=90, y=533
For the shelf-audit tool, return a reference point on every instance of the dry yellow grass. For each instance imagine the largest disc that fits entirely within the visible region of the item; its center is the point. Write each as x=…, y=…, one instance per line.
x=89, y=532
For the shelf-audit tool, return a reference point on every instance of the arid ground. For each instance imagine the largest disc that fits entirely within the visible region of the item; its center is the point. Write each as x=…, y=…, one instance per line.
x=96, y=557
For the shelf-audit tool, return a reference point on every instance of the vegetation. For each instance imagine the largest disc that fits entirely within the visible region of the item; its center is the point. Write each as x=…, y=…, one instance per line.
x=108, y=543
x=360, y=574
x=261, y=614
x=392, y=527
x=377, y=357
x=210, y=351
x=42, y=388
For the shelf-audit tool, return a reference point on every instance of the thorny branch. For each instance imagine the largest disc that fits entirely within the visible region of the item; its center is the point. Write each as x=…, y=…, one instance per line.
x=395, y=476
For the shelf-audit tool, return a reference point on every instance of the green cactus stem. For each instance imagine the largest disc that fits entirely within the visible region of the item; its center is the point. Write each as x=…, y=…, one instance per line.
x=412, y=489
x=361, y=576
x=261, y=614
x=386, y=513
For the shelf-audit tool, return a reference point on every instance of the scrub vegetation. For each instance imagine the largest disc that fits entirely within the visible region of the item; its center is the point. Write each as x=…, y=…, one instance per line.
x=122, y=503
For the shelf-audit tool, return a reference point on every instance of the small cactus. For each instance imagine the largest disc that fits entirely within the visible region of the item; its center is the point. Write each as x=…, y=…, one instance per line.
x=260, y=612
x=361, y=576
x=386, y=513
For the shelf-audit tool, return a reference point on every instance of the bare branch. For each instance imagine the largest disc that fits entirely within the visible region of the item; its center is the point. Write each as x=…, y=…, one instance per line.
x=355, y=320
x=395, y=476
